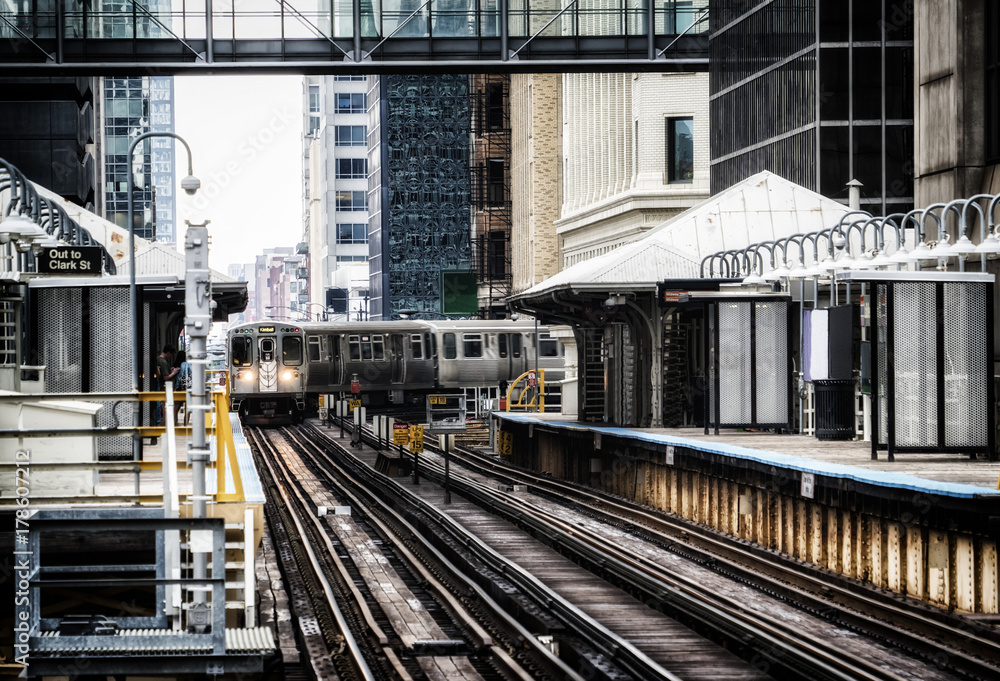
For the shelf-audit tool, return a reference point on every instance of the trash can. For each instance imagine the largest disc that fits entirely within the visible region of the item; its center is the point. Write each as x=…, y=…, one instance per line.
x=834, y=409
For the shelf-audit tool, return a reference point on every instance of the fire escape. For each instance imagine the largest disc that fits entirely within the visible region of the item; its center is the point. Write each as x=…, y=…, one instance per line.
x=491, y=192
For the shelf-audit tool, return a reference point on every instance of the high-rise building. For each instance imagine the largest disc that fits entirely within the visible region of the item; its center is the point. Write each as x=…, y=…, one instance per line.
x=635, y=154
x=419, y=196
x=491, y=191
x=48, y=132
x=818, y=92
x=957, y=111
x=277, y=285
x=335, y=174
x=130, y=107
x=536, y=177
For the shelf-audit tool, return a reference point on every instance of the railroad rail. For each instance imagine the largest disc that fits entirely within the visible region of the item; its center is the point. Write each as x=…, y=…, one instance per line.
x=407, y=619
x=968, y=646
x=943, y=647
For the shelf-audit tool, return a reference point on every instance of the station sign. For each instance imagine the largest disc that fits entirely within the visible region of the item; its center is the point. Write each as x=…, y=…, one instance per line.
x=73, y=260
x=353, y=404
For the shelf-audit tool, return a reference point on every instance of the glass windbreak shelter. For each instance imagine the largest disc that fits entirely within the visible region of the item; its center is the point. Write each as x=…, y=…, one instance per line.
x=745, y=352
x=932, y=364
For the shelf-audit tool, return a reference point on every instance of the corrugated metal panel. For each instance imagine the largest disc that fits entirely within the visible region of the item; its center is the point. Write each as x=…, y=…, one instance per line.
x=763, y=207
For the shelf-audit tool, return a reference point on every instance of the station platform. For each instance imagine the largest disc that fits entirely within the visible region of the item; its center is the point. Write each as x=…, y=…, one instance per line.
x=924, y=525
x=947, y=474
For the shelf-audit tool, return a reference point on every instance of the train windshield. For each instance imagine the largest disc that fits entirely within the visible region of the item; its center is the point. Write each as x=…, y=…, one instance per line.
x=291, y=351
x=242, y=351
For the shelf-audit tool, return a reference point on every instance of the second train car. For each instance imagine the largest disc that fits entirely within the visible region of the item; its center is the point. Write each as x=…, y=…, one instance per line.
x=277, y=371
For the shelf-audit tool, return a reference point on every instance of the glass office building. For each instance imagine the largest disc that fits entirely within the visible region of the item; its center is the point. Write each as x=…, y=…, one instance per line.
x=133, y=106
x=819, y=92
x=419, y=196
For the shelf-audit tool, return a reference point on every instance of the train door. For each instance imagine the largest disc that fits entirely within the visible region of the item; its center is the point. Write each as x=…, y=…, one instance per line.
x=397, y=357
x=336, y=360
x=319, y=368
x=267, y=371
x=517, y=358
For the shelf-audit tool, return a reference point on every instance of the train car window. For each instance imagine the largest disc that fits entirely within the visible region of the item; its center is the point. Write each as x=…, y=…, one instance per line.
x=333, y=342
x=291, y=351
x=314, y=349
x=502, y=345
x=354, y=343
x=472, y=345
x=515, y=345
x=548, y=348
x=416, y=346
x=449, y=346
x=366, y=347
x=242, y=351
x=378, y=347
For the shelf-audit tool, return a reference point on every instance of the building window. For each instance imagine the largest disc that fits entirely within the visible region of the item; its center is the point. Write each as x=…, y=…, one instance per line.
x=494, y=106
x=495, y=194
x=352, y=258
x=496, y=264
x=352, y=201
x=680, y=149
x=350, y=136
x=352, y=233
x=351, y=102
x=314, y=104
x=350, y=77
x=992, y=69
x=356, y=168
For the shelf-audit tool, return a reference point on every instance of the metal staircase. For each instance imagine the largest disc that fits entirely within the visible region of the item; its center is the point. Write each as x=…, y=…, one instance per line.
x=592, y=374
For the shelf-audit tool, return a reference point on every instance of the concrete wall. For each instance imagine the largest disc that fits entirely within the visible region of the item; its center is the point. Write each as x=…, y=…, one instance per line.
x=949, y=140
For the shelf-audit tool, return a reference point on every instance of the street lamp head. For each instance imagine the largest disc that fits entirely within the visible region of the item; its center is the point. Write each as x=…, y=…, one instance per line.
x=190, y=185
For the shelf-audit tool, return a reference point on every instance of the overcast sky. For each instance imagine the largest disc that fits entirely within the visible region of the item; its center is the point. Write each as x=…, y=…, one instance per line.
x=245, y=134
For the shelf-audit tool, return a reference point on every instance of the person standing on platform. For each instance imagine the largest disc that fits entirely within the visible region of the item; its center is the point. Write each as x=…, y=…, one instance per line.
x=165, y=371
x=181, y=384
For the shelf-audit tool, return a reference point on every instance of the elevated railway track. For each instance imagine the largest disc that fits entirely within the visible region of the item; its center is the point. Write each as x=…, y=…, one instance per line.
x=622, y=592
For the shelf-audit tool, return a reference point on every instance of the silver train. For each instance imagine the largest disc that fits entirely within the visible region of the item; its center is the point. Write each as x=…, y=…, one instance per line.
x=278, y=370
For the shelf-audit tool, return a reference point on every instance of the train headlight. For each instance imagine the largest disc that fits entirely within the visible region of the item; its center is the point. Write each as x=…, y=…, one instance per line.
x=289, y=375
x=245, y=375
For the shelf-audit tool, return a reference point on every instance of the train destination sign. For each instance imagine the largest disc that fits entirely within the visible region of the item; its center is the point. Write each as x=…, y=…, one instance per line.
x=75, y=260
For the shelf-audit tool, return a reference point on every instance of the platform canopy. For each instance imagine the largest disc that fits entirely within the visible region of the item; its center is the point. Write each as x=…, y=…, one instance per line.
x=763, y=207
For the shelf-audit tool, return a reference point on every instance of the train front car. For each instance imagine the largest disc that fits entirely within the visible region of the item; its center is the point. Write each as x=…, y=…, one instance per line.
x=267, y=372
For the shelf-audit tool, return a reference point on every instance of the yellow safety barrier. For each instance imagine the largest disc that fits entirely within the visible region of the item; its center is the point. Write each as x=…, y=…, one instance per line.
x=225, y=451
x=536, y=402
x=225, y=455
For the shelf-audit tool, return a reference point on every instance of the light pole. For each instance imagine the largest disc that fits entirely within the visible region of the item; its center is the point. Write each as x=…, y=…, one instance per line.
x=323, y=317
x=290, y=309
x=190, y=185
